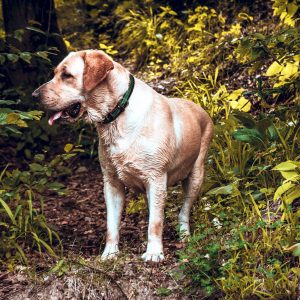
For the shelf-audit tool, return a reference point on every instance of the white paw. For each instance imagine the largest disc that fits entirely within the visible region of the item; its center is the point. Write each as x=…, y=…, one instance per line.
x=155, y=257
x=110, y=252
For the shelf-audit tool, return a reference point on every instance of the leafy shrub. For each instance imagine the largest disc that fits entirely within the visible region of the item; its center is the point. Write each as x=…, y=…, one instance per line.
x=11, y=119
x=23, y=223
x=232, y=64
x=249, y=214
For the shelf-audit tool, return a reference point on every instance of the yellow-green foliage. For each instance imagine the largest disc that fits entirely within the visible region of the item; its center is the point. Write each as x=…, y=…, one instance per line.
x=245, y=73
x=248, y=215
x=286, y=10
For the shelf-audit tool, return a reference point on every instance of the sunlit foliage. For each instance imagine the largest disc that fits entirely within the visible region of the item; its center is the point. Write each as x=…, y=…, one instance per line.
x=244, y=70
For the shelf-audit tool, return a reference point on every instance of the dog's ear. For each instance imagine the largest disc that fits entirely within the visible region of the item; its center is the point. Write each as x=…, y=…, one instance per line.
x=96, y=67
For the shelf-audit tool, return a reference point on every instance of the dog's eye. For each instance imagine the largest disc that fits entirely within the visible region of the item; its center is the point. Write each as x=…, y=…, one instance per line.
x=66, y=75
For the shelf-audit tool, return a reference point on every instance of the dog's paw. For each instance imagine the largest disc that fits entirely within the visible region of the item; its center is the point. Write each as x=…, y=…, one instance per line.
x=155, y=257
x=110, y=252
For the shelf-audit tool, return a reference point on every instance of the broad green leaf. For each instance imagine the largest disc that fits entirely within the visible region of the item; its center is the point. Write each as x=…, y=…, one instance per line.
x=3, y=116
x=286, y=166
x=43, y=55
x=36, y=167
x=289, y=70
x=252, y=136
x=222, y=190
x=291, y=195
x=282, y=189
x=259, y=36
x=290, y=175
x=292, y=9
x=274, y=69
x=12, y=57
x=55, y=186
x=39, y=157
x=14, y=130
x=7, y=102
x=26, y=56
x=272, y=133
x=245, y=119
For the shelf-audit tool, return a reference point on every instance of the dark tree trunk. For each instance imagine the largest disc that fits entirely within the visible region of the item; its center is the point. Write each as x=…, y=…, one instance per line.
x=39, y=14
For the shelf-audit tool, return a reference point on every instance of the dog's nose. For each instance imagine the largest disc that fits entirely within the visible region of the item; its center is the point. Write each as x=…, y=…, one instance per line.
x=36, y=94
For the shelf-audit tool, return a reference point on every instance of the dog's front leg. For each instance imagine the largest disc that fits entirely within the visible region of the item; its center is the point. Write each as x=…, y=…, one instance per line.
x=114, y=194
x=156, y=194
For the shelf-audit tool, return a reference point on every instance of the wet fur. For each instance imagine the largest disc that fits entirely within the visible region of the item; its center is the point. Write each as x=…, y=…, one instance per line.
x=153, y=144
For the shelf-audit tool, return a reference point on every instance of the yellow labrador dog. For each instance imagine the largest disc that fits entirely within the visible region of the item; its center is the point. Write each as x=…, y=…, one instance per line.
x=146, y=140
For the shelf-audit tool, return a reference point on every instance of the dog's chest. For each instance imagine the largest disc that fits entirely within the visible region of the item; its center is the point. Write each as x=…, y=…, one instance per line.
x=127, y=162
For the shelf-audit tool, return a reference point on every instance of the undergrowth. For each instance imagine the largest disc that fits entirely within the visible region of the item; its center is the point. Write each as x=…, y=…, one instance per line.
x=241, y=63
x=245, y=72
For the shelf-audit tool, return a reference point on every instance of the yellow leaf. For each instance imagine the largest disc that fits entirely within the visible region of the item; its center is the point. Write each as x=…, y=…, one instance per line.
x=242, y=104
x=292, y=9
x=14, y=119
x=274, y=69
x=102, y=46
x=288, y=165
x=235, y=94
x=68, y=44
x=68, y=147
x=282, y=189
x=289, y=70
x=297, y=58
x=21, y=123
x=290, y=175
x=191, y=59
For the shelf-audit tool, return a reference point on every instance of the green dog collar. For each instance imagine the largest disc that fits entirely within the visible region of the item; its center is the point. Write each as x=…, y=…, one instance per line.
x=121, y=104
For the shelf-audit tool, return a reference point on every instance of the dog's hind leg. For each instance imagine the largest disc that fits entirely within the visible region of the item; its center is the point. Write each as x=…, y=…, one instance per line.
x=192, y=185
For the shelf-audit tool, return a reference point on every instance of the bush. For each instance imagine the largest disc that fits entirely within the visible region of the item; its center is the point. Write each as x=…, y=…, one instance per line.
x=249, y=214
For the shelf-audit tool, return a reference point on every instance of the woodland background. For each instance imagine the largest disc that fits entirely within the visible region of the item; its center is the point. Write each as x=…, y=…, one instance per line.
x=238, y=59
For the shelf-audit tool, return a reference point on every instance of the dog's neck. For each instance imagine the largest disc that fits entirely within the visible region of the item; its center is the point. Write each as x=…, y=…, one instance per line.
x=104, y=99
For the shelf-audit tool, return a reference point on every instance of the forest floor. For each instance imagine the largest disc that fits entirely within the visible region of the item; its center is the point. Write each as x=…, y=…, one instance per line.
x=80, y=219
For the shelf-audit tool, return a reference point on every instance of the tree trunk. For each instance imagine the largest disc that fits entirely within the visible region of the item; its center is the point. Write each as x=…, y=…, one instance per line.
x=39, y=14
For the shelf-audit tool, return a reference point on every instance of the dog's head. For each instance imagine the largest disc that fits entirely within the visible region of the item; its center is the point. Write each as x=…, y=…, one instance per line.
x=74, y=78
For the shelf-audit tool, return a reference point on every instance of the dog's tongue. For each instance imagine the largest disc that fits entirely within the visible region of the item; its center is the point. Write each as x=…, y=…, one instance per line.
x=54, y=117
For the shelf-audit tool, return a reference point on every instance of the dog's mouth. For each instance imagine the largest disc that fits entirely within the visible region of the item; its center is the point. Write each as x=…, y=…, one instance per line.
x=71, y=112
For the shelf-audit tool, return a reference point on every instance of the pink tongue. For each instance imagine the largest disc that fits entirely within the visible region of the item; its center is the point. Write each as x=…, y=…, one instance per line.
x=54, y=117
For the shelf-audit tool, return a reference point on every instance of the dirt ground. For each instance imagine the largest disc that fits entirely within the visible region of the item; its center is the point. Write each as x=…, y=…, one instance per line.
x=80, y=220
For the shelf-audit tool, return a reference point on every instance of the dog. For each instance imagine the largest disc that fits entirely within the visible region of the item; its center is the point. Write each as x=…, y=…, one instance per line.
x=146, y=141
